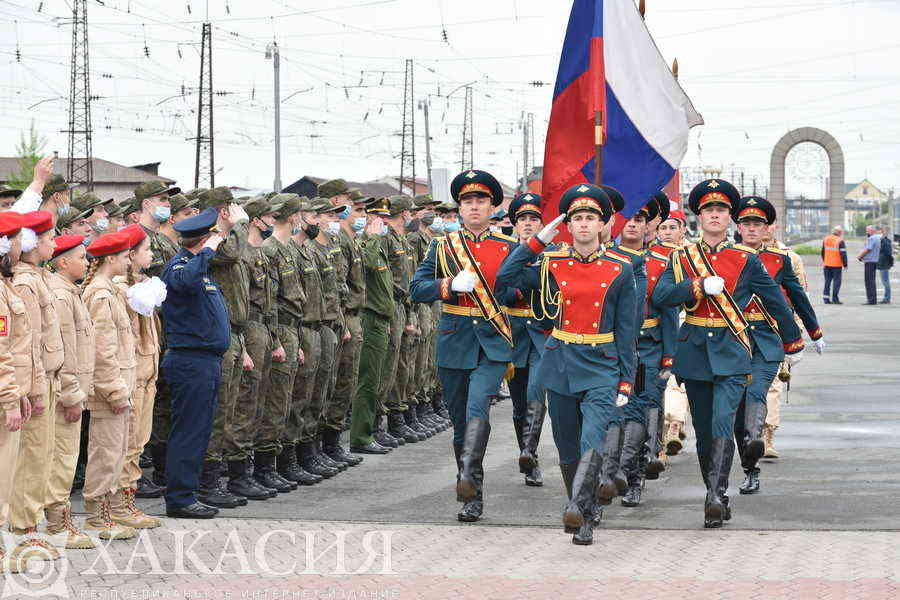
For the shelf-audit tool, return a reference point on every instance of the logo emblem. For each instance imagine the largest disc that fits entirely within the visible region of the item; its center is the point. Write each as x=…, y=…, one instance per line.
x=527, y=197
x=471, y=174
x=713, y=184
x=751, y=202
x=583, y=188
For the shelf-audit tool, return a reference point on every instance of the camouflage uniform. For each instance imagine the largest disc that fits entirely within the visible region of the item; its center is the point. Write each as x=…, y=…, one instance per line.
x=422, y=379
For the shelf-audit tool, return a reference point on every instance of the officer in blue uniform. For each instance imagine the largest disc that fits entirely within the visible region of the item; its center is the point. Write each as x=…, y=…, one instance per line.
x=714, y=280
x=588, y=362
x=754, y=216
x=529, y=327
x=197, y=335
x=474, y=336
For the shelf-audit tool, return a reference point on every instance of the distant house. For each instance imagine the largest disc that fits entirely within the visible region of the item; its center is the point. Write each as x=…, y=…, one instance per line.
x=860, y=198
x=307, y=186
x=111, y=180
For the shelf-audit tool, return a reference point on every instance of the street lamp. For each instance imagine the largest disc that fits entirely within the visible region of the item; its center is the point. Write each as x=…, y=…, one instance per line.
x=272, y=53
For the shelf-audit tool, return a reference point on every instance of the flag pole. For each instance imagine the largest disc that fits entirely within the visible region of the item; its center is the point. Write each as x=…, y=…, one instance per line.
x=598, y=147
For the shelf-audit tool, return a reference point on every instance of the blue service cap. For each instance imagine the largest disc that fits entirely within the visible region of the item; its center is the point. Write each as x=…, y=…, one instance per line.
x=198, y=225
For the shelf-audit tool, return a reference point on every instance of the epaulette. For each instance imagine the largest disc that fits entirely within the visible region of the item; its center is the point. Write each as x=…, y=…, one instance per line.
x=667, y=244
x=504, y=237
x=659, y=256
x=556, y=253
x=776, y=250
x=611, y=253
x=625, y=250
x=743, y=248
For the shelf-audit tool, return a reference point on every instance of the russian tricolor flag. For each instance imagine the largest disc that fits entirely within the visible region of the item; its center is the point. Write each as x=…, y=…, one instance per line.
x=610, y=63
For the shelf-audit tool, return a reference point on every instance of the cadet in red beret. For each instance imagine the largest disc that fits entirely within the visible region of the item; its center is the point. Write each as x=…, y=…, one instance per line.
x=64, y=243
x=135, y=233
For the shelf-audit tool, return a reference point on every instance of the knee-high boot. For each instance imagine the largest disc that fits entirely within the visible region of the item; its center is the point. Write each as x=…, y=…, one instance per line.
x=580, y=513
x=531, y=434
x=632, y=447
x=654, y=465
x=612, y=479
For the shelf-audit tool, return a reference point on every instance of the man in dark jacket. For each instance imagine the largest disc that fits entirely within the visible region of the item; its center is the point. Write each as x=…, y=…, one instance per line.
x=885, y=262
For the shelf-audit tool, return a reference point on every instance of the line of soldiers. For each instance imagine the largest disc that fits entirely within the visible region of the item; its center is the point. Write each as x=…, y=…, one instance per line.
x=592, y=331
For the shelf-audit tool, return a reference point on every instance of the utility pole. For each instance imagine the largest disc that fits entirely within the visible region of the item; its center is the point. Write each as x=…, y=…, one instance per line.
x=424, y=105
x=408, y=132
x=525, y=149
x=467, y=154
x=80, y=132
x=272, y=52
x=204, y=171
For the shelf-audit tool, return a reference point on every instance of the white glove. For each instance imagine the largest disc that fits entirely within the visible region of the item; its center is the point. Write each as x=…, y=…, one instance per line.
x=820, y=345
x=621, y=400
x=664, y=374
x=713, y=285
x=550, y=230
x=793, y=359
x=463, y=282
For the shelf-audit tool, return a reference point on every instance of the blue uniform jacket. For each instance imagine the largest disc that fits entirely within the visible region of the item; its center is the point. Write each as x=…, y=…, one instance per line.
x=781, y=269
x=194, y=313
x=704, y=352
x=461, y=338
x=657, y=342
x=607, y=295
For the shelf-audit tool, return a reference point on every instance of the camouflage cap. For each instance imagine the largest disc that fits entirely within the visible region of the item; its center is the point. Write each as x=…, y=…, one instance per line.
x=56, y=183
x=377, y=206
x=397, y=204
x=6, y=191
x=215, y=197
x=290, y=204
x=113, y=209
x=424, y=200
x=194, y=194
x=324, y=205
x=356, y=196
x=72, y=216
x=180, y=202
x=86, y=201
x=155, y=187
x=445, y=207
x=129, y=206
x=332, y=188
x=259, y=206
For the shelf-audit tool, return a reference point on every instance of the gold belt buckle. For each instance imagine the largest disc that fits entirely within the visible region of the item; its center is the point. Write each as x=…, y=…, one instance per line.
x=579, y=338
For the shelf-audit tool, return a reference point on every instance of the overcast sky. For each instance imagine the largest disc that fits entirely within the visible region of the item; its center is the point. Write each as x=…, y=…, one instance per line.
x=754, y=69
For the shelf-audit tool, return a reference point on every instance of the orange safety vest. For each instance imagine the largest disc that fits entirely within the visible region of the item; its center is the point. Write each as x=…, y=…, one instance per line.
x=832, y=246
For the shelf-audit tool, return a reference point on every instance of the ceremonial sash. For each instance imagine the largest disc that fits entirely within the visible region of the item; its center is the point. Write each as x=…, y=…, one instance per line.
x=769, y=318
x=723, y=302
x=483, y=296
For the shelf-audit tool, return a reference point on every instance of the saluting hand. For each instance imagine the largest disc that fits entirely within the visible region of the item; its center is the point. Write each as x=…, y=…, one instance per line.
x=248, y=362
x=43, y=170
x=550, y=230
x=236, y=213
x=301, y=358
x=213, y=242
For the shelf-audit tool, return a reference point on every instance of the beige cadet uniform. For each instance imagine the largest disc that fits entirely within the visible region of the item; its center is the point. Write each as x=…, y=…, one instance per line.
x=146, y=344
x=19, y=360
x=114, y=372
x=76, y=377
x=36, y=444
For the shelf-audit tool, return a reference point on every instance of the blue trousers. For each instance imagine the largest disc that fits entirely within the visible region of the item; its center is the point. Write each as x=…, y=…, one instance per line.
x=833, y=277
x=713, y=407
x=524, y=387
x=649, y=397
x=193, y=379
x=580, y=422
x=886, y=283
x=764, y=373
x=467, y=392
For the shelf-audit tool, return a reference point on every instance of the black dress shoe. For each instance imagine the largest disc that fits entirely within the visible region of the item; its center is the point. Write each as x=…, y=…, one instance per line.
x=370, y=448
x=826, y=300
x=836, y=302
x=196, y=510
x=148, y=489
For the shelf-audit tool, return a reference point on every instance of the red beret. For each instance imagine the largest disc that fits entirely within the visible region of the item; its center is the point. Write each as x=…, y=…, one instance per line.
x=109, y=243
x=64, y=243
x=678, y=215
x=135, y=233
x=10, y=223
x=38, y=221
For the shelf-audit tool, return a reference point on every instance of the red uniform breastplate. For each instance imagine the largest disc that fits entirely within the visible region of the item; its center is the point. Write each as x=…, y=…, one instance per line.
x=583, y=287
x=489, y=254
x=728, y=264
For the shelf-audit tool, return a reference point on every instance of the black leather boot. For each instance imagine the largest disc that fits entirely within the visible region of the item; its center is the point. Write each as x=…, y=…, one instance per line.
x=612, y=480
x=471, y=510
x=211, y=491
x=425, y=409
x=440, y=409
x=384, y=438
x=723, y=478
x=477, y=433
x=584, y=484
x=265, y=474
x=158, y=455
x=306, y=454
x=331, y=446
x=568, y=475
x=289, y=467
x=654, y=465
x=240, y=483
x=633, y=445
x=398, y=428
x=327, y=460
x=751, y=482
x=412, y=421
x=531, y=437
x=754, y=419
x=714, y=507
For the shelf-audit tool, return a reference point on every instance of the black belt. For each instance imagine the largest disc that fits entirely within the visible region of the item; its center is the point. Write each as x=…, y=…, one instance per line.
x=288, y=320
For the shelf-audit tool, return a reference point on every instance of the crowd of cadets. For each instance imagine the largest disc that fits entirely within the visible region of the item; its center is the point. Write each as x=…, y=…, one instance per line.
x=393, y=318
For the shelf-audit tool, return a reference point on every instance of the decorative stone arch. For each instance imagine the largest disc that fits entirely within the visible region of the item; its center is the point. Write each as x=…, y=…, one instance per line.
x=835, y=177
